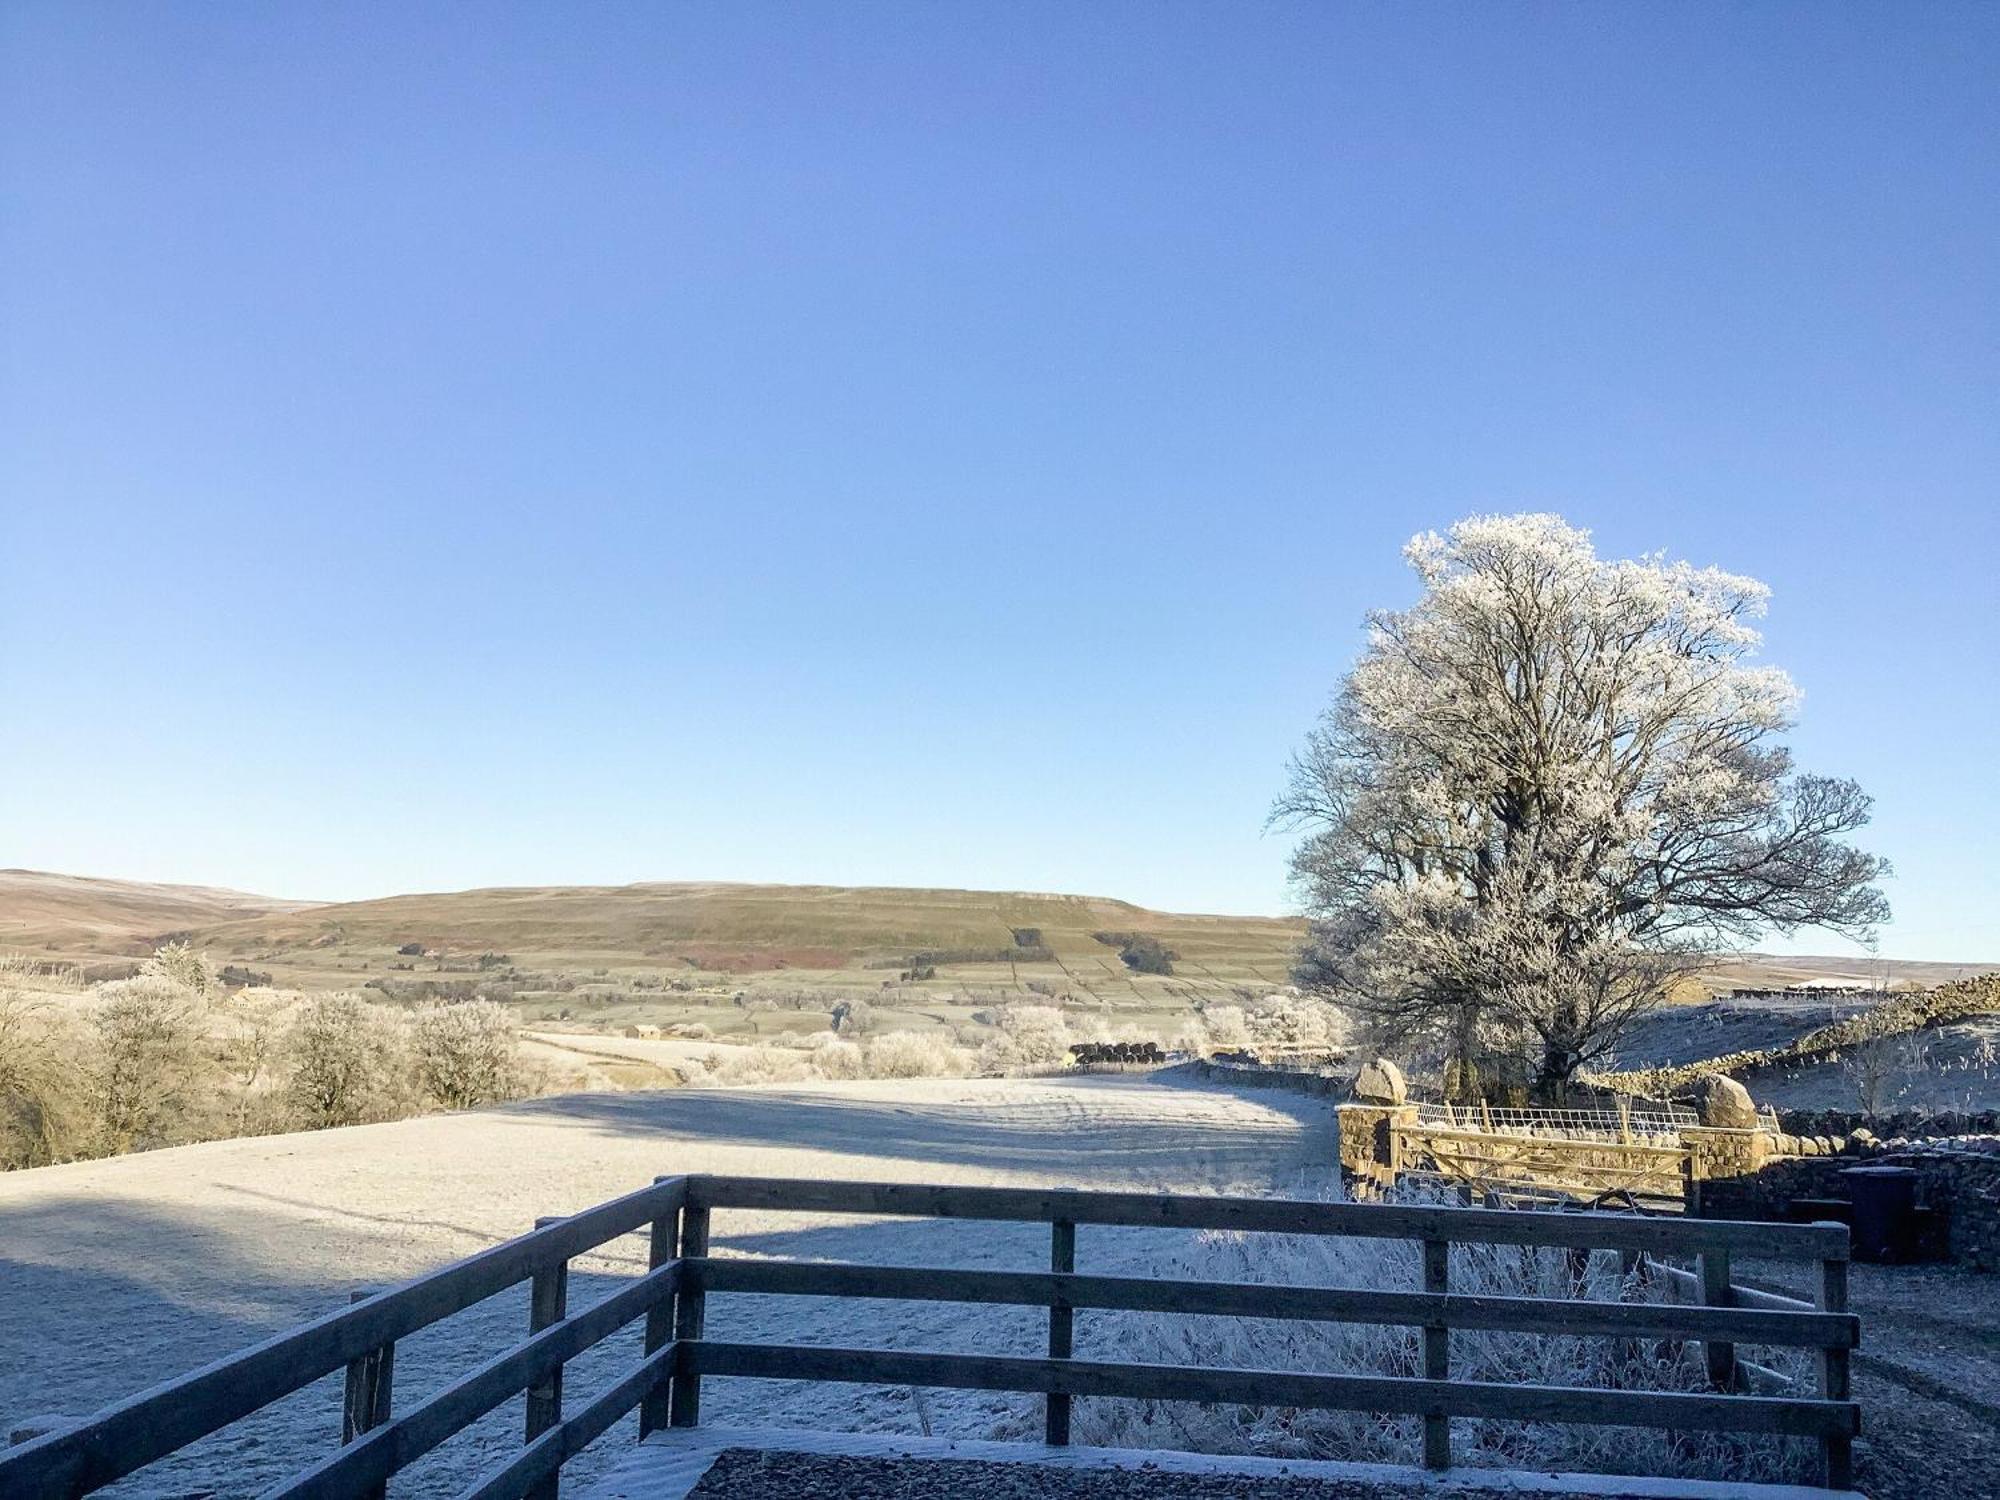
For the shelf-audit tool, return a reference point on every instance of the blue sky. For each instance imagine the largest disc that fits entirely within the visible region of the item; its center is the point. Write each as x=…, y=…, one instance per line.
x=945, y=444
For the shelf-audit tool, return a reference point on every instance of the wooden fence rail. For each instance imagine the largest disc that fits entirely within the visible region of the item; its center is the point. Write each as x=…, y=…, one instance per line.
x=130, y=1434
x=671, y=1298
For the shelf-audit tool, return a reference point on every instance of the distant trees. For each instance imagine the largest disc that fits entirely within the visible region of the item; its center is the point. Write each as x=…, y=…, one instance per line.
x=1142, y=952
x=1550, y=786
x=170, y=1056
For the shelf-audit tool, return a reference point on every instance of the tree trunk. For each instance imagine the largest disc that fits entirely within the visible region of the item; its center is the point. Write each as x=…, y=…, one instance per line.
x=1461, y=1073
x=1558, y=1067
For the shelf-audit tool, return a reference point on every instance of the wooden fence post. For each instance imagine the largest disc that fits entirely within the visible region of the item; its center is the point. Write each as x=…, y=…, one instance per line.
x=663, y=1246
x=1716, y=1292
x=684, y=1400
x=548, y=1304
x=1437, y=1354
x=1062, y=1327
x=1837, y=1453
x=365, y=1401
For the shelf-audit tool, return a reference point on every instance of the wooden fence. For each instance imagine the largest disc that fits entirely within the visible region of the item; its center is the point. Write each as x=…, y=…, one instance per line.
x=666, y=1383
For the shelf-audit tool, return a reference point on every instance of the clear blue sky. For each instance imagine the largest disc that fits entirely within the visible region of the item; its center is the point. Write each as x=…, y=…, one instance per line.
x=945, y=444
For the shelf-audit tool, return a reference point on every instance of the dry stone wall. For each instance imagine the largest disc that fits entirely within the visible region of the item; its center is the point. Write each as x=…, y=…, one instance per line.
x=1908, y=1124
x=1959, y=1178
x=1977, y=996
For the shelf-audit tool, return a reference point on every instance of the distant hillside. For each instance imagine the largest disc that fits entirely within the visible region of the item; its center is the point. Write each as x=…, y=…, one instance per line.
x=86, y=915
x=749, y=929
x=722, y=938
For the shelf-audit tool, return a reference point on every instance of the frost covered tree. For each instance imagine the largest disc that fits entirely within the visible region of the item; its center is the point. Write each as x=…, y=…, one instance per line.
x=1028, y=1036
x=467, y=1054
x=45, y=1104
x=178, y=963
x=345, y=1060
x=153, y=1075
x=1549, y=787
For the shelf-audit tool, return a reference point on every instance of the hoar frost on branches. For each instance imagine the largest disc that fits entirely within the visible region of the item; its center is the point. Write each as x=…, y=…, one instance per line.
x=1548, y=788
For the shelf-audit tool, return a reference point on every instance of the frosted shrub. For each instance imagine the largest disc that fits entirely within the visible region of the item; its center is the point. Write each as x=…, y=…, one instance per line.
x=153, y=1073
x=835, y=1057
x=1039, y=1033
x=346, y=1060
x=1225, y=1026
x=1024, y=1037
x=913, y=1054
x=251, y=1024
x=997, y=1055
x=250, y=1029
x=1331, y=1348
x=1296, y=1023
x=22, y=972
x=763, y=1063
x=467, y=1054
x=45, y=1104
x=179, y=964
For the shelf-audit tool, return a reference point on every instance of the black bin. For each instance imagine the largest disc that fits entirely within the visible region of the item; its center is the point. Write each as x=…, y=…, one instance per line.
x=1885, y=1212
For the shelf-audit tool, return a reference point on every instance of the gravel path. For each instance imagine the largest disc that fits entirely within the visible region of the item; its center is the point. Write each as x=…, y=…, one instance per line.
x=1927, y=1376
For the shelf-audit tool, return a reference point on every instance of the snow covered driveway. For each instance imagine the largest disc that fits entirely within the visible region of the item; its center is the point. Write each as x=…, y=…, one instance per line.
x=117, y=1274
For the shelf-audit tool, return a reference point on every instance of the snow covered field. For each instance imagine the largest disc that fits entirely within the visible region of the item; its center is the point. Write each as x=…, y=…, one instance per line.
x=1947, y=1067
x=1676, y=1034
x=116, y=1274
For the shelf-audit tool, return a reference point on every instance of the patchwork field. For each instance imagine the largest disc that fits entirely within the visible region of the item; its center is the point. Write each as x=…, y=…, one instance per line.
x=746, y=961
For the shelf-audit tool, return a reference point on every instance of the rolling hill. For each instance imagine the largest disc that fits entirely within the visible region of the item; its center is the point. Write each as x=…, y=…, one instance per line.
x=83, y=916
x=592, y=949
x=747, y=928
x=607, y=945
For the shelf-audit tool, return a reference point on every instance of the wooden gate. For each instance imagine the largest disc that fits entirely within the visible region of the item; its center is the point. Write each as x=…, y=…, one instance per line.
x=1546, y=1154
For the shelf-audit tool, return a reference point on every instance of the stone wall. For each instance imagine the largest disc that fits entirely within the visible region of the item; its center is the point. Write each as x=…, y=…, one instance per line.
x=1910, y=1124
x=1959, y=1179
x=1732, y=1173
x=1720, y=1155
x=1323, y=1083
x=1368, y=1143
